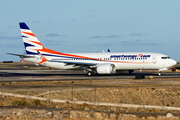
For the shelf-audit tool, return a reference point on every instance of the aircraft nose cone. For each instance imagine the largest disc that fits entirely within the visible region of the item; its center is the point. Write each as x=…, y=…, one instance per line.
x=173, y=62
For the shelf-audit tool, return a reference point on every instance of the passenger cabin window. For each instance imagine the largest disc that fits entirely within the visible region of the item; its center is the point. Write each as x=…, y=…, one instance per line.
x=165, y=57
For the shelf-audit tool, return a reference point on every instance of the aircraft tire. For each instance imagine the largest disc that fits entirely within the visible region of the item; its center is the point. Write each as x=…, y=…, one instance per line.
x=159, y=73
x=89, y=73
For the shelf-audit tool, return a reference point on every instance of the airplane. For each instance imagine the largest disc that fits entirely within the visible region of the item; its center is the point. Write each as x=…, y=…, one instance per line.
x=91, y=63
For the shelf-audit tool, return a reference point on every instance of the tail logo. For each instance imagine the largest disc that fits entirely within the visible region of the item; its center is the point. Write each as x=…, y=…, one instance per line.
x=30, y=40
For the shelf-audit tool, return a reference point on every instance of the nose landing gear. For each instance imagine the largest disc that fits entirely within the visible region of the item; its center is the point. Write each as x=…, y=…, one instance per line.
x=159, y=73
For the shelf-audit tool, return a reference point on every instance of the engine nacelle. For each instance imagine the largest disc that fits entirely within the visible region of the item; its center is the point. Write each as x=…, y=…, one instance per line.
x=106, y=69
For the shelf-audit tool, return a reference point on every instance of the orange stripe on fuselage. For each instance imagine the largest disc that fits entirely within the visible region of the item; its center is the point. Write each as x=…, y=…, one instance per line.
x=31, y=34
x=77, y=56
x=43, y=59
x=64, y=54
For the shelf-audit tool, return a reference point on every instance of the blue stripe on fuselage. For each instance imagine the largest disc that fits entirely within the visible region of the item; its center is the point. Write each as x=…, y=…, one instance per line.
x=68, y=57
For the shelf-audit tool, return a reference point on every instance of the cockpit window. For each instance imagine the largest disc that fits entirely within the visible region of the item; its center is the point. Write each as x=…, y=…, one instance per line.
x=165, y=57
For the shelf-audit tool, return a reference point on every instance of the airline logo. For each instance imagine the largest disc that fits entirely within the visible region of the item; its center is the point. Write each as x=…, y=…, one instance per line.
x=31, y=43
x=130, y=56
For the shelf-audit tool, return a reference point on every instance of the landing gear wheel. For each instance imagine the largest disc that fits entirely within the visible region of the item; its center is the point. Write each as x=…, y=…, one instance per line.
x=159, y=73
x=90, y=73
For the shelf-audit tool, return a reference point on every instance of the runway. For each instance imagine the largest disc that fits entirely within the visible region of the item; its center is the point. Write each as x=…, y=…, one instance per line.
x=66, y=75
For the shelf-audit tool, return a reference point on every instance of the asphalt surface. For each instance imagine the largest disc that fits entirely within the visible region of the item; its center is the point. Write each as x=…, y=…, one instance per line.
x=51, y=75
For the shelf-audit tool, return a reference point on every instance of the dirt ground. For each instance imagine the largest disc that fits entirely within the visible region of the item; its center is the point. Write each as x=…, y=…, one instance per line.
x=155, y=92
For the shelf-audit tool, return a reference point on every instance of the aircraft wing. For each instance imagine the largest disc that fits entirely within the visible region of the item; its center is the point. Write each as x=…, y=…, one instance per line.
x=21, y=56
x=80, y=64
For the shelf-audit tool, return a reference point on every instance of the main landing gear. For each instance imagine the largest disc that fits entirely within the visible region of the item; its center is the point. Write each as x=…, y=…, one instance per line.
x=89, y=72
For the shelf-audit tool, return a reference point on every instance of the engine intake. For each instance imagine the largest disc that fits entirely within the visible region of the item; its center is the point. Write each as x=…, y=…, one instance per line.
x=106, y=69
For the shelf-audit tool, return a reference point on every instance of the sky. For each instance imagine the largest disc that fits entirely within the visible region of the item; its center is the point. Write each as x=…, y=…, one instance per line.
x=78, y=26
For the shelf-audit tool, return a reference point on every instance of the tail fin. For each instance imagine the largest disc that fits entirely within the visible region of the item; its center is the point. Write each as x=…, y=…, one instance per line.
x=31, y=43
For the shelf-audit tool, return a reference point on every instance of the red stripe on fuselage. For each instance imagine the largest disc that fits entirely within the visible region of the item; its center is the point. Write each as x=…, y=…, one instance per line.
x=63, y=54
x=77, y=56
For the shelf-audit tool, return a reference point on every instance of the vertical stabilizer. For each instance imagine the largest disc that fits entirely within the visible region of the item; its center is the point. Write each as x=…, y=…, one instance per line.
x=31, y=43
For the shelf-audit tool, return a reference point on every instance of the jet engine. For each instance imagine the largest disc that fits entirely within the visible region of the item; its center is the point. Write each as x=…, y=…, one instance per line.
x=106, y=69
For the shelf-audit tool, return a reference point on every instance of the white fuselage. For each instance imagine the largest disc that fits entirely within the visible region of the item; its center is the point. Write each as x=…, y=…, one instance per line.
x=121, y=60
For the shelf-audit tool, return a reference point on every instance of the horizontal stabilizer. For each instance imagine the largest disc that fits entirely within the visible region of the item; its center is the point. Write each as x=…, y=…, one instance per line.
x=21, y=56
